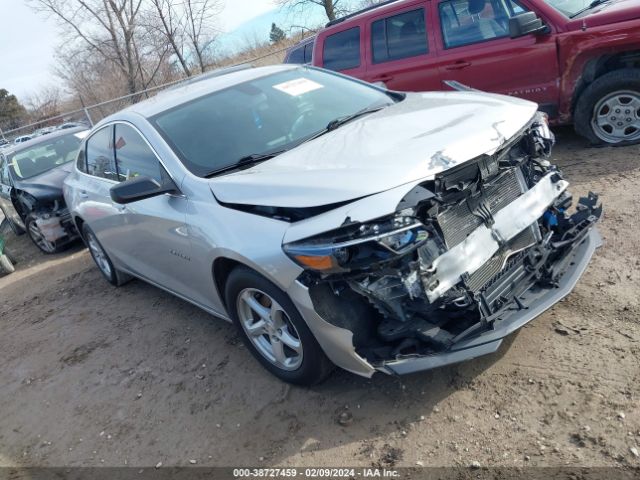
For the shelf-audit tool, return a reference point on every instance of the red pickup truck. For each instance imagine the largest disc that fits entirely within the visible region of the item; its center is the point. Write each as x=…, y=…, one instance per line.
x=578, y=59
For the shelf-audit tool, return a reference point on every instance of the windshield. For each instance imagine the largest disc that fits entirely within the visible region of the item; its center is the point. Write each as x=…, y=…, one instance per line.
x=46, y=155
x=570, y=8
x=265, y=115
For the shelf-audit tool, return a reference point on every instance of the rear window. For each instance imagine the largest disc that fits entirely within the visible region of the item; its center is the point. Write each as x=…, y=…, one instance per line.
x=342, y=50
x=296, y=56
x=400, y=36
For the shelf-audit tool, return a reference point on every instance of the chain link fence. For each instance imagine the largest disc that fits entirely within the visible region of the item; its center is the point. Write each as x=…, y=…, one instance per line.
x=92, y=114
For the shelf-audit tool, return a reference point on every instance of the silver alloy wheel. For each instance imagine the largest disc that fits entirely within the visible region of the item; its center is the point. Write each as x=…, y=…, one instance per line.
x=98, y=255
x=616, y=117
x=37, y=236
x=268, y=327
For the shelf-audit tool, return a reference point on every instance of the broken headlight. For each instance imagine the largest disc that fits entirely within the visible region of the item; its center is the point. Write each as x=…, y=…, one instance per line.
x=545, y=137
x=359, y=247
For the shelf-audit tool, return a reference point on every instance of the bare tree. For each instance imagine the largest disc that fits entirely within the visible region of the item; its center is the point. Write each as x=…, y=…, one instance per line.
x=200, y=27
x=44, y=104
x=110, y=29
x=332, y=8
x=168, y=19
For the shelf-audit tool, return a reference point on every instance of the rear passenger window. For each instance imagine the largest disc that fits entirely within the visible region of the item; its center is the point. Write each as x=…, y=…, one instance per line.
x=342, y=50
x=100, y=160
x=134, y=158
x=81, y=161
x=400, y=36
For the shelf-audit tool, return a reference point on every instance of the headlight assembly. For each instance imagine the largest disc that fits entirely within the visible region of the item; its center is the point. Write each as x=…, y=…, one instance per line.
x=360, y=247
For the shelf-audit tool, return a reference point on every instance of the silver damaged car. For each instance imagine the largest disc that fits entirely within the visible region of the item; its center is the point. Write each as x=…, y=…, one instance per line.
x=334, y=222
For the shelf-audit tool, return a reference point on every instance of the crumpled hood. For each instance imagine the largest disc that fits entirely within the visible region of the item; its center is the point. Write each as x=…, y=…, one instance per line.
x=409, y=141
x=48, y=185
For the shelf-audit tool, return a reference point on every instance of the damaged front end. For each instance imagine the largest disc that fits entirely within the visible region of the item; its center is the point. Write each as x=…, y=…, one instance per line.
x=467, y=258
x=48, y=222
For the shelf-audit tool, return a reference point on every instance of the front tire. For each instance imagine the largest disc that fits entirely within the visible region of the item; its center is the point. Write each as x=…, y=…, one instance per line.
x=99, y=255
x=608, y=111
x=273, y=330
x=39, y=240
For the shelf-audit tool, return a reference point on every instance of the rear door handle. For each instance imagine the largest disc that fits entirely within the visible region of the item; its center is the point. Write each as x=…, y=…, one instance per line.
x=383, y=78
x=83, y=194
x=459, y=65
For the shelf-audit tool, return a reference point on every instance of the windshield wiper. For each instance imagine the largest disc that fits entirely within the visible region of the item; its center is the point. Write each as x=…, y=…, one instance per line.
x=593, y=4
x=338, y=122
x=250, y=159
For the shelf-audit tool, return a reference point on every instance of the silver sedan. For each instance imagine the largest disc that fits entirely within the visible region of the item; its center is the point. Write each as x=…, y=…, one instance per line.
x=334, y=222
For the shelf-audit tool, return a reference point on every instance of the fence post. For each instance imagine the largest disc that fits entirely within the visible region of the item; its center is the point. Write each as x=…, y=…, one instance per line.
x=86, y=111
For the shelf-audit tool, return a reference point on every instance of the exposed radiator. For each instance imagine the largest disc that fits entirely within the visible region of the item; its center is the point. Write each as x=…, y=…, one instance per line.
x=458, y=221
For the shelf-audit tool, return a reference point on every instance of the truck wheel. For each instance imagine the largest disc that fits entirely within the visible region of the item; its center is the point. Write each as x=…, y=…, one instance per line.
x=608, y=111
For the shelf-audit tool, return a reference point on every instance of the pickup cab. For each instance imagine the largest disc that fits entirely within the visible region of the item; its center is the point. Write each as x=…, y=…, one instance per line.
x=578, y=59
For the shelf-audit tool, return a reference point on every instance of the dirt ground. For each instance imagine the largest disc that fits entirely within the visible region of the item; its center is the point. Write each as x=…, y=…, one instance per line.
x=94, y=375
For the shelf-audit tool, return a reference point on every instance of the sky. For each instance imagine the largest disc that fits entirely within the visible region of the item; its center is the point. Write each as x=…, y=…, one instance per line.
x=28, y=40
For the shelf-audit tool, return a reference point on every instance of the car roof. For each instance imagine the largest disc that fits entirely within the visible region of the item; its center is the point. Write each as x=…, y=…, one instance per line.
x=194, y=88
x=16, y=147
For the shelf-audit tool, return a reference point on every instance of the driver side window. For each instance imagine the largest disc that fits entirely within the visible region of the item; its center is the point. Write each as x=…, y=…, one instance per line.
x=465, y=22
x=134, y=157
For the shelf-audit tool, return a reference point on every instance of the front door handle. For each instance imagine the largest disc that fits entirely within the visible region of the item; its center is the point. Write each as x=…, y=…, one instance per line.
x=121, y=208
x=459, y=65
x=83, y=194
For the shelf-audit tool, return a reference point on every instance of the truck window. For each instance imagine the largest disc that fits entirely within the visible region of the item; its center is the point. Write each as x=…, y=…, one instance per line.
x=399, y=36
x=296, y=56
x=308, y=53
x=342, y=50
x=464, y=22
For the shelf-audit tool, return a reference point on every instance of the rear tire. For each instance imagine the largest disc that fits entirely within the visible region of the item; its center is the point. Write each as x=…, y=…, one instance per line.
x=608, y=111
x=273, y=330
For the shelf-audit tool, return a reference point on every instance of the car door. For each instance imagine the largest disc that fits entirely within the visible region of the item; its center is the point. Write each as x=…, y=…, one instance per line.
x=342, y=52
x=475, y=49
x=149, y=236
x=399, y=56
x=6, y=205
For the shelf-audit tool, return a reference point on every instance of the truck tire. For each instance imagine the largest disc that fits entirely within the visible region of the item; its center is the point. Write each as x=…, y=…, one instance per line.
x=608, y=111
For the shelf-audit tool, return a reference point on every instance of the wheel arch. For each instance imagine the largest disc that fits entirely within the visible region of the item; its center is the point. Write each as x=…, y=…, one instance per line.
x=221, y=269
x=600, y=65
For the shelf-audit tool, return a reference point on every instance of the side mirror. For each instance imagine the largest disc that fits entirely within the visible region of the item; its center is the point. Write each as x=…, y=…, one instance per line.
x=139, y=188
x=524, y=24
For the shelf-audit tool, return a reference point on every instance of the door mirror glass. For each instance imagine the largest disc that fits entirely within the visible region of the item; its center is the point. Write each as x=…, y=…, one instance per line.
x=140, y=188
x=524, y=24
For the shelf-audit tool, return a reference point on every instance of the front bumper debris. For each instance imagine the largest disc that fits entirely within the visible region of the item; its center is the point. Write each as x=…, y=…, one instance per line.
x=534, y=302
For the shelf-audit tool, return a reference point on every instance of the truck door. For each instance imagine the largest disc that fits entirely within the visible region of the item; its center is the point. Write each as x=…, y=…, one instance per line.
x=401, y=51
x=475, y=49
